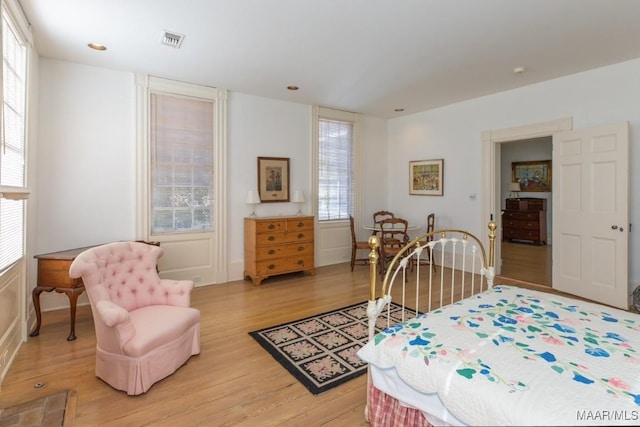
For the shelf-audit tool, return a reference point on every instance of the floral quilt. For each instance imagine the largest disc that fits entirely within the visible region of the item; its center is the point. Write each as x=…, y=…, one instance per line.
x=511, y=356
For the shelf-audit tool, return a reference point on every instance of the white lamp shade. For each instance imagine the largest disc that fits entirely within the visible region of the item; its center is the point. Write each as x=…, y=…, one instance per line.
x=514, y=186
x=298, y=197
x=253, y=197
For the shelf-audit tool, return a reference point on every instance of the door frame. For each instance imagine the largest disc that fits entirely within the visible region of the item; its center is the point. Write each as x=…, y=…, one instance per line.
x=491, y=170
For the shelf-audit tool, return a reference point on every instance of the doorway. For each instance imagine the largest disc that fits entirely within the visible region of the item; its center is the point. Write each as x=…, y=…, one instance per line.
x=521, y=260
x=494, y=178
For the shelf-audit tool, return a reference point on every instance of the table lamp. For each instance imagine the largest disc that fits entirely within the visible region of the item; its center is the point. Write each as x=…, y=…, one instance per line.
x=514, y=187
x=253, y=198
x=298, y=197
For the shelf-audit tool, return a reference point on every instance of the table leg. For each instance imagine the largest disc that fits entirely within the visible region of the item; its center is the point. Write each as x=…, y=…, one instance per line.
x=35, y=295
x=73, y=294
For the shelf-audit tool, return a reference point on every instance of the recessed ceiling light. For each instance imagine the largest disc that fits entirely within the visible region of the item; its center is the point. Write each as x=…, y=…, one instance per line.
x=398, y=110
x=518, y=70
x=97, y=46
x=293, y=87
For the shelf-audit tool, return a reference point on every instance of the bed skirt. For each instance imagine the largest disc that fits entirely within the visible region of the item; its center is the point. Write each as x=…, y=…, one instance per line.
x=386, y=411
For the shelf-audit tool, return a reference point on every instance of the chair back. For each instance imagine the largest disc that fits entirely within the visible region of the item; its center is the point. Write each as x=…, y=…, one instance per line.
x=380, y=215
x=431, y=222
x=393, y=233
x=121, y=272
x=353, y=231
x=431, y=225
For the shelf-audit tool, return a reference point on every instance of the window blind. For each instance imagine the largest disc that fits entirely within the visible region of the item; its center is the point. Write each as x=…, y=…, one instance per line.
x=336, y=177
x=12, y=155
x=181, y=131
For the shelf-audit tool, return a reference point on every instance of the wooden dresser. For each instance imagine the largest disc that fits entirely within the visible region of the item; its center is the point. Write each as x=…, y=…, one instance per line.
x=525, y=219
x=277, y=245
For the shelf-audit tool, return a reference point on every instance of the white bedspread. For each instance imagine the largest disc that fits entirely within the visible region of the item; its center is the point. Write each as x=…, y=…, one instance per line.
x=512, y=356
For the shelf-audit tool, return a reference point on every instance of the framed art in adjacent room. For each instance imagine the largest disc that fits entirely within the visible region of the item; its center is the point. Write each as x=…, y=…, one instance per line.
x=425, y=177
x=273, y=179
x=532, y=176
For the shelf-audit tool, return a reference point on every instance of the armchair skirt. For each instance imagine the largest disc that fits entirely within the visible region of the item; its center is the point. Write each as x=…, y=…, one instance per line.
x=152, y=356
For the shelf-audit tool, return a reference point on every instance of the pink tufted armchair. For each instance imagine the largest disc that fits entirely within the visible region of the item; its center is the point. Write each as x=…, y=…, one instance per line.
x=145, y=329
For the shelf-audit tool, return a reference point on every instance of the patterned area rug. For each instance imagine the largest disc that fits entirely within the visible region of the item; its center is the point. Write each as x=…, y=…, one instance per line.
x=320, y=351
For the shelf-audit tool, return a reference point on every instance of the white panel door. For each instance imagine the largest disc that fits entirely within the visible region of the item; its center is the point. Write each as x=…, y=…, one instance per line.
x=591, y=213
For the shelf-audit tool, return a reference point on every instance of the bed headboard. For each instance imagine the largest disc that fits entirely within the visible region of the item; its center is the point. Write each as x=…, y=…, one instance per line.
x=463, y=267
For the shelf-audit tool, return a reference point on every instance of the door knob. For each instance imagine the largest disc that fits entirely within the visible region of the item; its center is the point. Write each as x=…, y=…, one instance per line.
x=614, y=227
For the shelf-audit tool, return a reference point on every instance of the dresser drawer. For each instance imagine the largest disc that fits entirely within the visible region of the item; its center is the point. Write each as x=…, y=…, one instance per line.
x=55, y=272
x=282, y=265
x=526, y=204
x=271, y=226
x=299, y=224
x=525, y=225
x=271, y=239
x=291, y=250
x=525, y=216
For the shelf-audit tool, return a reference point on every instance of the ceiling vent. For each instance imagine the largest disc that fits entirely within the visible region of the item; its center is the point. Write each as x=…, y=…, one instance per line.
x=172, y=39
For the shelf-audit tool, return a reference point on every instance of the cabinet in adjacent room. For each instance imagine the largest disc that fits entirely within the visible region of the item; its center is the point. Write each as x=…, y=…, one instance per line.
x=525, y=219
x=277, y=245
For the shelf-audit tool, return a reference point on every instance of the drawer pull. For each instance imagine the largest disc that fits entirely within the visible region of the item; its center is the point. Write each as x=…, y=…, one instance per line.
x=271, y=266
x=300, y=236
x=300, y=262
x=271, y=226
x=271, y=238
x=272, y=251
x=300, y=248
x=301, y=224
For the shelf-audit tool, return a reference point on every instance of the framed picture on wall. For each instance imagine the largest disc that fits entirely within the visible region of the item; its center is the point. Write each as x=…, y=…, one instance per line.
x=273, y=179
x=425, y=177
x=532, y=176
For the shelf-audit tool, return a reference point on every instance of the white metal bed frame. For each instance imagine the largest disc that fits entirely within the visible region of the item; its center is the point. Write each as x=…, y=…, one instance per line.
x=464, y=266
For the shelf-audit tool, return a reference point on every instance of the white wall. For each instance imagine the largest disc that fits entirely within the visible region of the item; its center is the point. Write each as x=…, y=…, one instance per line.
x=374, y=169
x=86, y=152
x=598, y=97
x=262, y=127
x=85, y=178
x=86, y=161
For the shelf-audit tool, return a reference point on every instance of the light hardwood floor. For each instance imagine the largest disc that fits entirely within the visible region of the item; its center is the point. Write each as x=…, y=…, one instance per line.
x=527, y=263
x=233, y=382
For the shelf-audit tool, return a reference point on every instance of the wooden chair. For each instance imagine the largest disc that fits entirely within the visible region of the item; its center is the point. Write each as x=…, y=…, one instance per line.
x=356, y=246
x=379, y=216
x=425, y=258
x=393, y=236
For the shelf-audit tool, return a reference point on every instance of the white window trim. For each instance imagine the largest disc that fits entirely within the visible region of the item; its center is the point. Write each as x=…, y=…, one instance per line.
x=13, y=8
x=328, y=113
x=144, y=85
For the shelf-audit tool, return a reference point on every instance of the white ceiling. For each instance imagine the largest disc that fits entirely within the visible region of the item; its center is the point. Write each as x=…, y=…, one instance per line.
x=367, y=56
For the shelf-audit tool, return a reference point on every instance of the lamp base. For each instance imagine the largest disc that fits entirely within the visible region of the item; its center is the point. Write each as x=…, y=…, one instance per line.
x=299, y=212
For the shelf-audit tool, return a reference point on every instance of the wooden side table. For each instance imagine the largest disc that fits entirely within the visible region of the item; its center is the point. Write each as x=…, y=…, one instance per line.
x=53, y=275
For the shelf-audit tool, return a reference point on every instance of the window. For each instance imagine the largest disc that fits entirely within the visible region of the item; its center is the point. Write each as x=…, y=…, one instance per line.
x=12, y=153
x=336, y=165
x=181, y=130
